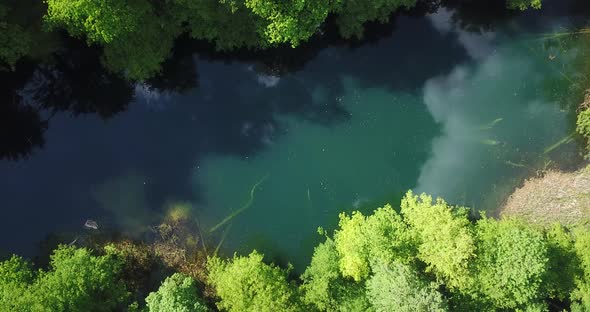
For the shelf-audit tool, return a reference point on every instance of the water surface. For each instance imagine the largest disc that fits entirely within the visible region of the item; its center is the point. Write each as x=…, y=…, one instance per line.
x=431, y=107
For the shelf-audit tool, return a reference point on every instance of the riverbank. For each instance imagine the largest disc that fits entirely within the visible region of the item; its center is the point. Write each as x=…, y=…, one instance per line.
x=555, y=197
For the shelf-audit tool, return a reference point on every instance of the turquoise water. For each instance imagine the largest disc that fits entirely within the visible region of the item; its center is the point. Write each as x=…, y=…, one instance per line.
x=469, y=134
x=276, y=153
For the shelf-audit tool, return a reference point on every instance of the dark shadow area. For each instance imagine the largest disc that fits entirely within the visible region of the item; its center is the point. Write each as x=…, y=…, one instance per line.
x=22, y=126
x=77, y=83
x=22, y=131
x=479, y=15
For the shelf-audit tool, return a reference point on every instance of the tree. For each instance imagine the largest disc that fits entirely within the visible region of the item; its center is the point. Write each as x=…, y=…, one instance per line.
x=77, y=281
x=249, y=284
x=524, y=4
x=352, y=14
x=178, y=293
x=15, y=42
x=583, y=124
x=360, y=240
x=97, y=20
x=563, y=266
x=325, y=288
x=136, y=37
x=511, y=263
x=444, y=235
x=397, y=287
x=322, y=278
x=580, y=296
x=15, y=276
x=289, y=21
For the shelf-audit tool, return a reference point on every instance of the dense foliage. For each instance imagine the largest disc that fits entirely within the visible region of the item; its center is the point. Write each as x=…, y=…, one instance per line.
x=15, y=41
x=76, y=281
x=583, y=124
x=248, y=284
x=178, y=293
x=137, y=36
x=429, y=256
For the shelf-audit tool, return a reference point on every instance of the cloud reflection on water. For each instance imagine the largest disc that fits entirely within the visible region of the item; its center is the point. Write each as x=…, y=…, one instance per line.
x=503, y=90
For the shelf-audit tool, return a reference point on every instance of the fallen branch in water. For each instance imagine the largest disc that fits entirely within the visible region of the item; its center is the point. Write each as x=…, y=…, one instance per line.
x=244, y=207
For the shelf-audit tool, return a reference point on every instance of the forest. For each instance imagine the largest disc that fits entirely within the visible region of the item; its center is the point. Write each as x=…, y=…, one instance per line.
x=136, y=37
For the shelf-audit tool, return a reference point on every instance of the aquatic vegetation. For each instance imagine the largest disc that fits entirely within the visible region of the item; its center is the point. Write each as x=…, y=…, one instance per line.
x=178, y=212
x=225, y=233
x=243, y=208
x=489, y=142
x=514, y=164
x=491, y=124
x=567, y=139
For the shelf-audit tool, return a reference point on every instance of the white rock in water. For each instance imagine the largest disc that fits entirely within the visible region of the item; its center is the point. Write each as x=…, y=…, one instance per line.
x=91, y=224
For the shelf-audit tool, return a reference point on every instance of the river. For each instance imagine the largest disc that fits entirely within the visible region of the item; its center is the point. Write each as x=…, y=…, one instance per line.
x=446, y=103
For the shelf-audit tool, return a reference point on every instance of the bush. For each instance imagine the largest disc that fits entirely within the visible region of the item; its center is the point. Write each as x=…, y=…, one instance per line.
x=178, y=293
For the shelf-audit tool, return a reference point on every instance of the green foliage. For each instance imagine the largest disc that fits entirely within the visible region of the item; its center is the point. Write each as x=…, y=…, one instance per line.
x=136, y=37
x=397, y=287
x=289, y=21
x=178, y=293
x=15, y=42
x=563, y=265
x=523, y=4
x=228, y=24
x=444, y=235
x=325, y=287
x=583, y=124
x=511, y=262
x=100, y=21
x=139, y=56
x=249, y=284
x=380, y=237
x=581, y=295
x=15, y=276
x=322, y=279
x=77, y=281
x=352, y=14
x=351, y=245
x=428, y=258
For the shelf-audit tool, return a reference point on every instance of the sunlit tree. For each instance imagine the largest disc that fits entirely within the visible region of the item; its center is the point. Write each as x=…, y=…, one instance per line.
x=178, y=293
x=249, y=284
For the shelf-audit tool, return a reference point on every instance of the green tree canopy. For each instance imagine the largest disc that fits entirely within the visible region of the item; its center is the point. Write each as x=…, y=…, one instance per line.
x=524, y=4
x=249, y=284
x=511, y=262
x=444, y=237
x=352, y=14
x=178, y=293
x=397, y=287
x=15, y=42
x=580, y=296
x=77, y=281
x=382, y=236
x=136, y=36
x=324, y=286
